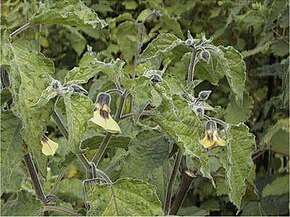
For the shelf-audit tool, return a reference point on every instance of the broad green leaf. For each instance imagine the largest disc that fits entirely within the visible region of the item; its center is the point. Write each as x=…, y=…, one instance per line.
x=215, y=69
x=91, y=67
x=46, y=95
x=277, y=137
x=183, y=126
x=68, y=12
x=25, y=204
x=147, y=152
x=141, y=96
x=236, y=113
x=164, y=43
x=11, y=146
x=79, y=109
x=239, y=162
x=126, y=197
x=77, y=40
x=30, y=75
x=236, y=73
x=127, y=39
x=70, y=189
x=277, y=187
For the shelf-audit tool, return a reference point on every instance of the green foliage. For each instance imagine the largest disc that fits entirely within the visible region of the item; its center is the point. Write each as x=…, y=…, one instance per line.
x=59, y=55
x=11, y=150
x=68, y=12
x=124, y=197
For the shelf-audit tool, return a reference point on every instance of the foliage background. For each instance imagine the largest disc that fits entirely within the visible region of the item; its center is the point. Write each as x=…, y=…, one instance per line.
x=258, y=29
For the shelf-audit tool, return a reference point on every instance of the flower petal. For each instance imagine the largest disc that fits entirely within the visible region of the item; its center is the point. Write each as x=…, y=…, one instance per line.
x=49, y=147
x=206, y=142
x=108, y=124
x=220, y=141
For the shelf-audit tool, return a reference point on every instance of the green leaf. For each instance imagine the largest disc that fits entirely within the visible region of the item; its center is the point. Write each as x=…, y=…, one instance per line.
x=91, y=67
x=141, y=96
x=68, y=12
x=126, y=197
x=79, y=109
x=126, y=35
x=239, y=161
x=215, y=69
x=70, y=189
x=25, y=204
x=46, y=95
x=236, y=113
x=183, y=126
x=277, y=137
x=236, y=73
x=11, y=146
x=77, y=40
x=147, y=152
x=30, y=75
x=164, y=43
x=277, y=187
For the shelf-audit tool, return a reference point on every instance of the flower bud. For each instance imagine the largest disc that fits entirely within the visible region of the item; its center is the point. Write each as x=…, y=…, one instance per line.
x=204, y=95
x=155, y=79
x=103, y=99
x=205, y=56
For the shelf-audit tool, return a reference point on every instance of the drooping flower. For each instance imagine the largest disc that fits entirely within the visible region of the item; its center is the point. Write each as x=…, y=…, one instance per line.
x=49, y=147
x=211, y=137
x=102, y=116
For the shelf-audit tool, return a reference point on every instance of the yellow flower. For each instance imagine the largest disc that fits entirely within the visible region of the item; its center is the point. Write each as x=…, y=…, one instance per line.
x=49, y=147
x=102, y=116
x=211, y=137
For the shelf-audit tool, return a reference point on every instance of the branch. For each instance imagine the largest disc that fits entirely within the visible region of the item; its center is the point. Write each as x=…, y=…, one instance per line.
x=62, y=209
x=191, y=67
x=187, y=180
x=19, y=30
x=34, y=177
x=171, y=182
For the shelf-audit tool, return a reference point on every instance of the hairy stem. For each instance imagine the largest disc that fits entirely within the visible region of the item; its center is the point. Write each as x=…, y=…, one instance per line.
x=187, y=180
x=19, y=30
x=59, y=122
x=34, y=177
x=62, y=209
x=101, y=150
x=171, y=182
x=191, y=67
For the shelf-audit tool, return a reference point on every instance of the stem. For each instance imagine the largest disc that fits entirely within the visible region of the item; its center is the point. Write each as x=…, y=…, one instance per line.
x=171, y=182
x=130, y=115
x=59, y=122
x=62, y=209
x=187, y=180
x=34, y=177
x=19, y=30
x=101, y=150
x=190, y=74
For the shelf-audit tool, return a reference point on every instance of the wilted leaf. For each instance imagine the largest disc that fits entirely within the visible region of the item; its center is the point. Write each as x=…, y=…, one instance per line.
x=127, y=197
x=68, y=12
